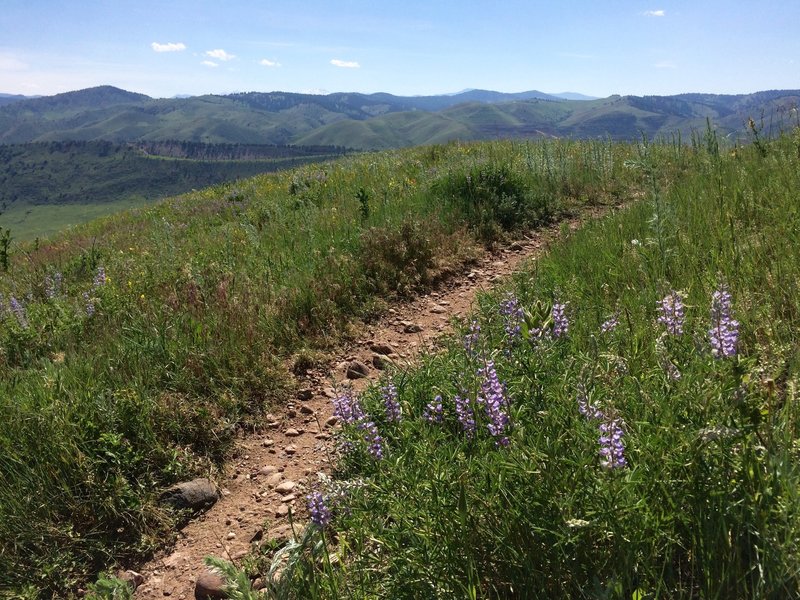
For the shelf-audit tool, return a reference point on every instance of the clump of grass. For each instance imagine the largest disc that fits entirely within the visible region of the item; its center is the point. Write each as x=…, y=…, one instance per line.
x=620, y=423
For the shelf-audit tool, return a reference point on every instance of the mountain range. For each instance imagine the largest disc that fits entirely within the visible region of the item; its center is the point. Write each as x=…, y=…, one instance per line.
x=377, y=121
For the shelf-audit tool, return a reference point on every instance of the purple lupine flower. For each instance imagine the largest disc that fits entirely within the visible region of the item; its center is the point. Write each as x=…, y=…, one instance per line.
x=49, y=288
x=612, y=448
x=465, y=414
x=724, y=332
x=671, y=313
x=585, y=406
x=560, y=321
x=347, y=408
x=512, y=317
x=318, y=509
x=493, y=398
x=390, y=402
x=610, y=323
x=472, y=337
x=371, y=436
x=433, y=412
x=89, y=304
x=15, y=306
x=99, y=278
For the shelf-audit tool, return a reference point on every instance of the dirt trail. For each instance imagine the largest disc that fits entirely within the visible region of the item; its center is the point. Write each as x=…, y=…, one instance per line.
x=273, y=470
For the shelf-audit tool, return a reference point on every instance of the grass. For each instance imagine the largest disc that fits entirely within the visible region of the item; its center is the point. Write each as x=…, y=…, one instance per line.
x=133, y=348
x=706, y=502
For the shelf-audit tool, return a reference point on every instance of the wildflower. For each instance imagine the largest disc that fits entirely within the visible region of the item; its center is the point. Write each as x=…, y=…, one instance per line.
x=19, y=312
x=392, y=406
x=494, y=401
x=347, y=408
x=560, y=322
x=671, y=313
x=318, y=509
x=612, y=448
x=610, y=323
x=471, y=339
x=100, y=278
x=372, y=438
x=89, y=302
x=433, y=411
x=724, y=332
x=513, y=315
x=49, y=288
x=465, y=414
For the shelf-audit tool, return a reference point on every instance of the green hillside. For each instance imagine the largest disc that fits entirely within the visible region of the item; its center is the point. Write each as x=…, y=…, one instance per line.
x=107, y=113
x=45, y=187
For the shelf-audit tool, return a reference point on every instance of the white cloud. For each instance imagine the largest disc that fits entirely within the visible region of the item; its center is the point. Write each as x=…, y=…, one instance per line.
x=209, y=63
x=655, y=13
x=346, y=64
x=220, y=54
x=168, y=47
x=269, y=63
x=665, y=64
x=9, y=62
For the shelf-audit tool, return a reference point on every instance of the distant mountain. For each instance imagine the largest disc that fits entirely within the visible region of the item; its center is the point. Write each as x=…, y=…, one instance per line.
x=574, y=96
x=371, y=121
x=11, y=98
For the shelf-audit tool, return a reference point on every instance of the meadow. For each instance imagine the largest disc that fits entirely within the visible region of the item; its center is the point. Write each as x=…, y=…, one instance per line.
x=134, y=348
x=619, y=421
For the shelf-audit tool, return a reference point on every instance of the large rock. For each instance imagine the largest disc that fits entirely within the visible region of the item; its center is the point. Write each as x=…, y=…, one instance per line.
x=198, y=494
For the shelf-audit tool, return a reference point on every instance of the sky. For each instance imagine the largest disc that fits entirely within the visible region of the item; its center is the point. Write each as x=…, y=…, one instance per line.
x=595, y=47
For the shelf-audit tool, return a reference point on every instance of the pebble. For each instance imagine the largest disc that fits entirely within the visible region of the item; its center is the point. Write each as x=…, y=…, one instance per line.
x=290, y=449
x=291, y=432
x=285, y=487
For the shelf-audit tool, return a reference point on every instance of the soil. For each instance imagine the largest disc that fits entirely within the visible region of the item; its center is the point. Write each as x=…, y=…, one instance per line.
x=272, y=471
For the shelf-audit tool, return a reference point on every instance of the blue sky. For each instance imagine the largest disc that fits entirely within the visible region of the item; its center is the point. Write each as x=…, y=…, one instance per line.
x=596, y=47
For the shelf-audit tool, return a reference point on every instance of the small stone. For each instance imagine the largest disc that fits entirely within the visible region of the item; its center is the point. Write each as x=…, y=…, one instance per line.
x=322, y=436
x=291, y=432
x=290, y=449
x=285, y=487
x=270, y=417
x=305, y=394
x=132, y=578
x=288, y=497
x=282, y=510
x=438, y=310
x=291, y=413
x=268, y=469
x=331, y=421
x=258, y=535
x=274, y=479
x=258, y=584
x=209, y=586
x=230, y=536
x=306, y=410
x=472, y=275
x=380, y=362
x=267, y=443
x=412, y=328
x=357, y=370
x=381, y=348
x=167, y=592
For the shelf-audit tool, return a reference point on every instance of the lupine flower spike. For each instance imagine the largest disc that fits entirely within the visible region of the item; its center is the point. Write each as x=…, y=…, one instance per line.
x=494, y=401
x=671, y=313
x=724, y=332
x=560, y=321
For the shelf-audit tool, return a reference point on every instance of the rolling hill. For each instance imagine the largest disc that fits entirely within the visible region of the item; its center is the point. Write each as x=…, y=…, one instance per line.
x=374, y=121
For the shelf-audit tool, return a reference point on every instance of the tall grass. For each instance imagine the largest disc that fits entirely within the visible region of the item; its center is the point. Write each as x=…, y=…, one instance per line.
x=132, y=349
x=701, y=499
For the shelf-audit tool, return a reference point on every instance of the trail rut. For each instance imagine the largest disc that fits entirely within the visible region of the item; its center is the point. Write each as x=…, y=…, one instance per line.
x=273, y=470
